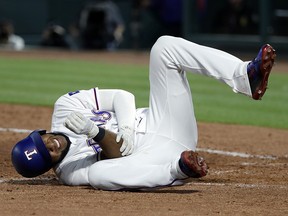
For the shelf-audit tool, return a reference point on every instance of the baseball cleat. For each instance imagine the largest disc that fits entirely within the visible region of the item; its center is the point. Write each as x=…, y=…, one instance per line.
x=193, y=165
x=259, y=70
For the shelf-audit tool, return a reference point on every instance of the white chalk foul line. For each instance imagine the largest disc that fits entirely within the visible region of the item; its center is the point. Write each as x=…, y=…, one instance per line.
x=236, y=154
x=16, y=130
x=241, y=185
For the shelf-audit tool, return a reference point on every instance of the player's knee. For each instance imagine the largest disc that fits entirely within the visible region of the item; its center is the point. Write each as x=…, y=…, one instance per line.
x=161, y=47
x=95, y=177
x=99, y=177
x=162, y=43
x=164, y=39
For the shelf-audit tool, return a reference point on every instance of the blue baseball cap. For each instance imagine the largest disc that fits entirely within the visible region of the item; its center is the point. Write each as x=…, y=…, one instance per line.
x=30, y=156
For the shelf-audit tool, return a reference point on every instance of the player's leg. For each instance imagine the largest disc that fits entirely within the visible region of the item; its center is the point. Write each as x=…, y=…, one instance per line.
x=182, y=55
x=157, y=163
x=171, y=109
x=144, y=168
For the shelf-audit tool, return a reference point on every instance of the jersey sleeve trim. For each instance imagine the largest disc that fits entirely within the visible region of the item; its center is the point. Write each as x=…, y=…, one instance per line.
x=96, y=99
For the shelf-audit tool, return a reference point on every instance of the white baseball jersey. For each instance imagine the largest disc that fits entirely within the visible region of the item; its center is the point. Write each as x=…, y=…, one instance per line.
x=164, y=130
x=73, y=168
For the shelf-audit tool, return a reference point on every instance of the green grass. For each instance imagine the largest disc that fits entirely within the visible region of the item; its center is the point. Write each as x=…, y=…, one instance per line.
x=215, y=102
x=41, y=82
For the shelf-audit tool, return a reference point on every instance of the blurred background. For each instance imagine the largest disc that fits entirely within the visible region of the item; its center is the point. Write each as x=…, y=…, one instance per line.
x=136, y=24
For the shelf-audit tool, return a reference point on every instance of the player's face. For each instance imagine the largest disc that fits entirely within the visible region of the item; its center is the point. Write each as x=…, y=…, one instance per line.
x=56, y=145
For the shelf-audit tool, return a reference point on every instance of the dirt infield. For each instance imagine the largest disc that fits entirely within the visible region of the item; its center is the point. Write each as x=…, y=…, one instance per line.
x=248, y=174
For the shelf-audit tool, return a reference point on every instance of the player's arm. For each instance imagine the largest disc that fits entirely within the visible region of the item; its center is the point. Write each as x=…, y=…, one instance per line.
x=79, y=124
x=123, y=104
x=110, y=148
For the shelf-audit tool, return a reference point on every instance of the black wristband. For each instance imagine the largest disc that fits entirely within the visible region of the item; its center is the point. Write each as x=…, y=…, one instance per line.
x=100, y=135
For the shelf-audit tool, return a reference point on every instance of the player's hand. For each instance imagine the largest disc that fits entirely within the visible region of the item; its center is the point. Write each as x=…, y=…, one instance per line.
x=127, y=134
x=79, y=124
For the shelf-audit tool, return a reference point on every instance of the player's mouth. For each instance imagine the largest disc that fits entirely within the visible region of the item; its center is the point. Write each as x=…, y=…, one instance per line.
x=57, y=143
x=60, y=142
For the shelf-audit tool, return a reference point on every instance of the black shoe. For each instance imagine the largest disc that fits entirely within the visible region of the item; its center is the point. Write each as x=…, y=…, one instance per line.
x=192, y=165
x=259, y=70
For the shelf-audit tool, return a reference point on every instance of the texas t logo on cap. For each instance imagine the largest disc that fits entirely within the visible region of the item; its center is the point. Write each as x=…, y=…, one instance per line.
x=30, y=153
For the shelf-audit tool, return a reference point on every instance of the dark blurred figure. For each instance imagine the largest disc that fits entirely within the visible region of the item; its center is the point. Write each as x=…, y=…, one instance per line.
x=74, y=37
x=169, y=13
x=9, y=40
x=54, y=36
x=235, y=18
x=154, y=18
x=101, y=26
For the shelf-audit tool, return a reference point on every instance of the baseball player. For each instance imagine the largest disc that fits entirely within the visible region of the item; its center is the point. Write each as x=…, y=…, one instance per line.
x=99, y=138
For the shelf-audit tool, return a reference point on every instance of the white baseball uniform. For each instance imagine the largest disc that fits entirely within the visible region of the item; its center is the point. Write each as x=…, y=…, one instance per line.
x=162, y=131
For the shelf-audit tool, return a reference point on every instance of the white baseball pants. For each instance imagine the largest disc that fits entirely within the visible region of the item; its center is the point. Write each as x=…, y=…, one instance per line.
x=171, y=125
